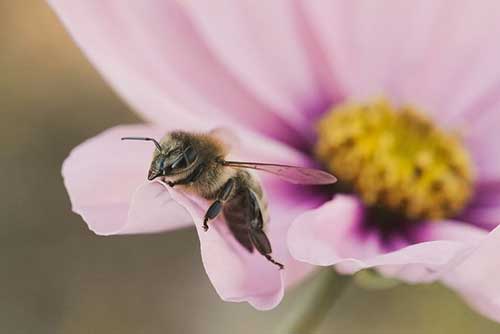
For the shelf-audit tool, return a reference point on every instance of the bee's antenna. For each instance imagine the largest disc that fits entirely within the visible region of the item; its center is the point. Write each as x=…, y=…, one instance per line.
x=157, y=144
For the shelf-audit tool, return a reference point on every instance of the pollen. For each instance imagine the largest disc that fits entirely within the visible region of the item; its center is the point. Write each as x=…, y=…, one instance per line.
x=396, y=158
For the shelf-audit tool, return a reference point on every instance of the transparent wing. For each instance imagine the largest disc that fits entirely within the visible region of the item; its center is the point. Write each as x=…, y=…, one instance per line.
x=292, y=174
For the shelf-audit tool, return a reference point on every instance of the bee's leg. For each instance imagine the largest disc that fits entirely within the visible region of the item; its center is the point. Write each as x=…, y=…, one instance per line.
x=194, y=176
x=213, y=211
x=257, y=236
x=216, y=208
x=261, y=242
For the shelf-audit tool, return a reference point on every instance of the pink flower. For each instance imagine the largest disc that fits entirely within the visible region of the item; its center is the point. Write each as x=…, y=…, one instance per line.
x=270, y=70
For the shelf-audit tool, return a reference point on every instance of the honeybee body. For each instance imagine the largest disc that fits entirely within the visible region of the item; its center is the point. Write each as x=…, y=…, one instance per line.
x=237, y=193
x=196, y=164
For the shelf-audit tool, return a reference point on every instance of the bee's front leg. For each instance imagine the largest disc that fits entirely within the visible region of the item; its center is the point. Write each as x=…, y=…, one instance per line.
x=193, y=177
x=213, y=211
x=216, y=208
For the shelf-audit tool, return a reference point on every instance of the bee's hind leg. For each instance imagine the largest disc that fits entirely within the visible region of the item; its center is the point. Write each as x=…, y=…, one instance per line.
x=257, y=235
x=261, y=242
x=216, y=208
x=273, y=261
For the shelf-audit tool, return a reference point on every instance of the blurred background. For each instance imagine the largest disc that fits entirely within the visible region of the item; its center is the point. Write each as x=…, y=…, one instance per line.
x=58, y=277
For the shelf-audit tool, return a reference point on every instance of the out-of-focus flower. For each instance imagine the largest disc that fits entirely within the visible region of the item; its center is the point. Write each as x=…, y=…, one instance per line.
x=420, y=199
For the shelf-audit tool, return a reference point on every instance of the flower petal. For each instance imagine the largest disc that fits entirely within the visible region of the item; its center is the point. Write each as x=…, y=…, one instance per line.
x=330, y=235
x=476, y=277
x=238, y=275
x=102, y=176
x=441, y=245
x=484, y=208
x=481, y=143
x=487, y=218
x=439, y=55
x=154, y=210
x=152, y=55
x=259, y=42
x=371, y=44
x=317, y=236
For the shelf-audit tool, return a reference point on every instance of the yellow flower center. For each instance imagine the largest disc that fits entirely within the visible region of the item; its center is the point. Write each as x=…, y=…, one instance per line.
x=396, y=159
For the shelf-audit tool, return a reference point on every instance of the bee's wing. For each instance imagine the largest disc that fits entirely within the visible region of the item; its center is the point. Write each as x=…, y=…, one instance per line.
x=292, y=174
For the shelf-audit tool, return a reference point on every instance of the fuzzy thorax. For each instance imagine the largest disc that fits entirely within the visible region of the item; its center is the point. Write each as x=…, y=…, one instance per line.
x=396, y=158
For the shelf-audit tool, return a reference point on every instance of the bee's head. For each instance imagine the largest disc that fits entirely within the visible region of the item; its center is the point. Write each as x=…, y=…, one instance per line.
x=171, y=158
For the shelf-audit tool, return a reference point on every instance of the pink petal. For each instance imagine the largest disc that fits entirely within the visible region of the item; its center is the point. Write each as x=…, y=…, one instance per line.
x=488, y=217
x=481, y=142
x=476, y=277
x=487, y=194
x=443, y=244
x=102, y=176
x=153, y=56
x=238, y=275
x=259, y=43
x=330, y=235
x=452, y=230
x=484, y=209
x=154, y=210
x=440, y=56
x=371, y=44
x=316, y=236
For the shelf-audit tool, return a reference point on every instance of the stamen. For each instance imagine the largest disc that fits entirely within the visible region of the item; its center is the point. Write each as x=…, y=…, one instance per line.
x=396, y=158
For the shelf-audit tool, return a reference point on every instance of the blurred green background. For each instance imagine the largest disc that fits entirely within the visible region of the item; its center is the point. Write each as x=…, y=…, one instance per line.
x=58, y=277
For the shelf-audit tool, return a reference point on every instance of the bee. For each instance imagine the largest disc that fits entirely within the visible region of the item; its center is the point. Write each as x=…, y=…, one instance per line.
x=196, y=164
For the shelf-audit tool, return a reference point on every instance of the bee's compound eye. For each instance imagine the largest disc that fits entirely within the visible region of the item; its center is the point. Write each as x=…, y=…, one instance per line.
x=161, y=165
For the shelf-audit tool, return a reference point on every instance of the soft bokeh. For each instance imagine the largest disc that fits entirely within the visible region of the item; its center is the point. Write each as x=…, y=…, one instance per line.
x=58, y=277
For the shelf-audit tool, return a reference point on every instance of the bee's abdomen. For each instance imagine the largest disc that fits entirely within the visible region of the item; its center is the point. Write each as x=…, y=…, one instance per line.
x=254, y=185
x=246, y=181
x=237, y=212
